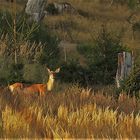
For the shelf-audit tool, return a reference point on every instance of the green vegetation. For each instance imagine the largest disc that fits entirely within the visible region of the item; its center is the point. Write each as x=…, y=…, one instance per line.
x=133, y=4
x=132, y=84
x=30, y=44
x=73, y=72
x=101, y=57
x=84, y=102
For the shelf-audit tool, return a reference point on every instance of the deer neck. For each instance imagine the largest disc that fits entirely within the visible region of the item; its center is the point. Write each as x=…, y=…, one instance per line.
x=50, y=84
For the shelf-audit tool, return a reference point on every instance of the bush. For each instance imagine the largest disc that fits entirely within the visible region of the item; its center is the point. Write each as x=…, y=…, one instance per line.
x=10, y=72
x=34, y=73
x=16, y=73
x=51, y=54
x=101, y=56
x=24, y=30
x=72, y=72
x=132, y=84
x=132, y=3
x=51, y=9
x=31, y=33
x=137, y=57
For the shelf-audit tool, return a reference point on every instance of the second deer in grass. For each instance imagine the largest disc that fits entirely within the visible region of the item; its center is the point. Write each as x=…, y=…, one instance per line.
x=37, y=88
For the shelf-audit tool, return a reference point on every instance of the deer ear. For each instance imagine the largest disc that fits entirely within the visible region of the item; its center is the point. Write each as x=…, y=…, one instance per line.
x=57, y=70
x=48, y=70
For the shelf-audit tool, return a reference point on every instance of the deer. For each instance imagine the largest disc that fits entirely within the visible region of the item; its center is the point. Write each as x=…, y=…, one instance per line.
x=41, y=89
x=16, y=86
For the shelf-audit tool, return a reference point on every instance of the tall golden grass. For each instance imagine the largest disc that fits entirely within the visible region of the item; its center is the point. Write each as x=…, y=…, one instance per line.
x=73, y=112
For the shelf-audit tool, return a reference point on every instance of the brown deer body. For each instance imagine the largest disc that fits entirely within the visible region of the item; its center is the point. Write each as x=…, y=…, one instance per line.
x=41, y=89
x=36, y=88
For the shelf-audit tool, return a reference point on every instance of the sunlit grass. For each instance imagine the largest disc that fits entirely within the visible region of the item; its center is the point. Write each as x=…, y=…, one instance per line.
x=72, y=112
x=13, y=125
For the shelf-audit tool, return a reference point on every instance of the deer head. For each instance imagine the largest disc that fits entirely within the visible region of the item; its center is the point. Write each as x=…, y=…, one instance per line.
x=51, y=78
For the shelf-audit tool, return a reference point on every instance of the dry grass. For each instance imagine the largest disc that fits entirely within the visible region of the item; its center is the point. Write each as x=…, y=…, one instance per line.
x=84, y=28
x=9, y=6
x=77, y=28
x=14, y=124
x=96, y=14
x=26, y=50
x=71, y=112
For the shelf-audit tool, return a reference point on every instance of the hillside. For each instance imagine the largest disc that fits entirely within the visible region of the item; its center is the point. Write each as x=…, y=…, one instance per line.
x=85, y=25
x=57, y=78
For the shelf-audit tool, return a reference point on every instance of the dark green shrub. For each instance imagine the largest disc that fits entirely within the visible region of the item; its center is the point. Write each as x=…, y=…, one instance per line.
x=30, y=32
x=34, y=73
x=24, y=30
x=72, y=72
x=51, y=9
x=16, y=73
x=132, y=3
x=50, y=55
x=132, y=84
x=137, y=57
x=102, y=57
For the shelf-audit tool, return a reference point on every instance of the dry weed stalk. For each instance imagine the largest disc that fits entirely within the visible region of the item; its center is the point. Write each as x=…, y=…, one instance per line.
x=25, y=50
x=67, y=115
x=30, y=51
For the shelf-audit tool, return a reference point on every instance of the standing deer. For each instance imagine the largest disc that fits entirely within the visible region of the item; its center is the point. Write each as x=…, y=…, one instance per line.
x=37, y=88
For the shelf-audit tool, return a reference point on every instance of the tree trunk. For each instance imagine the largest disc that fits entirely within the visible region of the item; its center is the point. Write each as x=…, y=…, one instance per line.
x=35, y=9
x=125, y=65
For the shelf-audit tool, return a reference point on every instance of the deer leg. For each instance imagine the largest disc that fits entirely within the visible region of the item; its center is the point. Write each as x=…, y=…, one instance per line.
x=42, y=94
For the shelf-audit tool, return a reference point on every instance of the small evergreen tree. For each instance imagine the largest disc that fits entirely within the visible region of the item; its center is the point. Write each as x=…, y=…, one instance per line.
x=132, y=84
x=132, y=4
x=102, y=57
